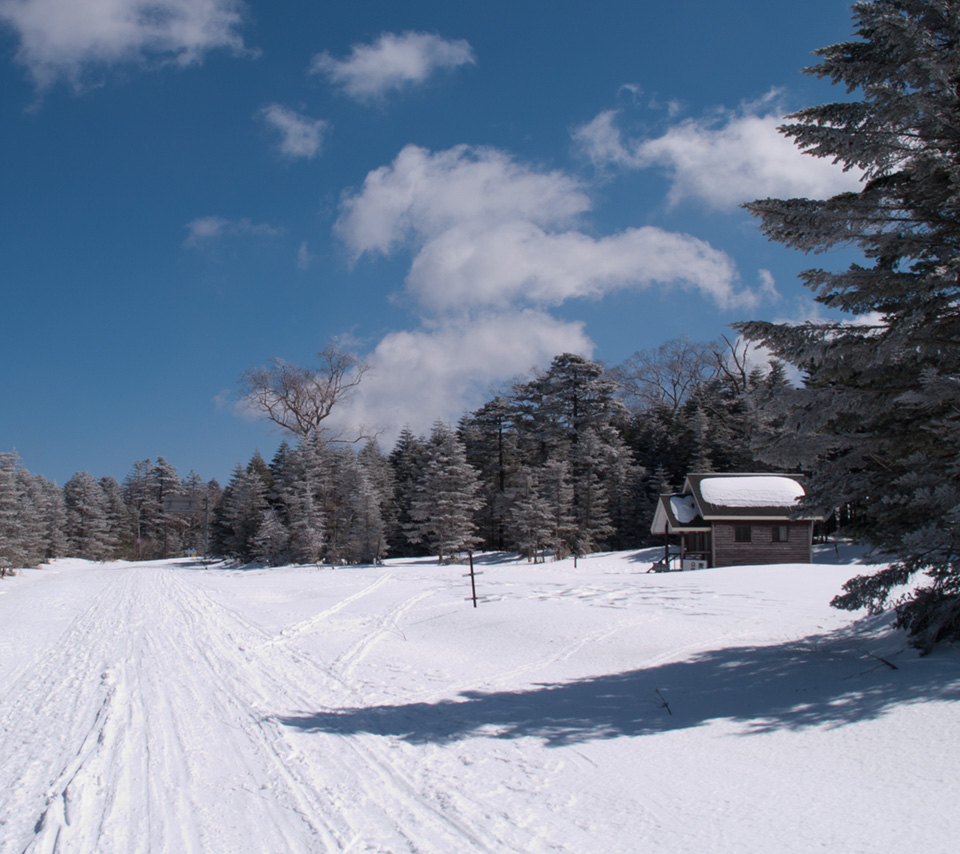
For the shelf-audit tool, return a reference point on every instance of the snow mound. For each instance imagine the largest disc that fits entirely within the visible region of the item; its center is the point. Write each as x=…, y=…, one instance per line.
x=684, y=508
x=751, y=491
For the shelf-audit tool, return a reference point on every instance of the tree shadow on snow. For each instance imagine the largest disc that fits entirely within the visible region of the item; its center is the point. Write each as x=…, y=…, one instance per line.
x=821, y=681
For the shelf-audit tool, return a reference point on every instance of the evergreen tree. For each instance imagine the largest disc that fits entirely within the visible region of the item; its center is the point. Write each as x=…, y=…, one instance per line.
x=240, y=513
x=14, y=546
x=490, y=441
x=87, y=524
x=529, y=518
x=557, y=493
x=406, y=460
x=572, y=413
x=271, y=543
x=877, y=421
x=295, y=480
x=441, y=513
x=378, y=470
x=144, y=508
x=360, y=501
x=118, y=519
x=49, y=502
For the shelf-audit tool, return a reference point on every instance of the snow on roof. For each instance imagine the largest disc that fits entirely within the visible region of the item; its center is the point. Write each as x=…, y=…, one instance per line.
x=751, y=491
x=684, y=508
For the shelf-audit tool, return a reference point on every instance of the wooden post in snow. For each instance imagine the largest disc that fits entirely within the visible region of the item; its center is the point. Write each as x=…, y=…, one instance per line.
x=473, y=582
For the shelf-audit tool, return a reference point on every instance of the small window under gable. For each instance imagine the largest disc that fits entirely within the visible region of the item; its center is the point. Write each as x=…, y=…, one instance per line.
x=742, y=534
x=781, y=534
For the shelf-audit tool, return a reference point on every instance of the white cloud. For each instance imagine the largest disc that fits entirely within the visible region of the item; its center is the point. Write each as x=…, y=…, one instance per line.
x=768, y=284
x=489, y=232
x=723, y=161
x=494, y=244
x=421, y=194
x=518, y=262
x=392, y=62
x=305, y=257
x=300, y=136
x=447, y=367
x=64, y=39
x=212, y=227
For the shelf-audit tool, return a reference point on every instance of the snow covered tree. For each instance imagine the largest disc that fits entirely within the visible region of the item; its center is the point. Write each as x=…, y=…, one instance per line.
x=118, y=519
x=360, y=504
x=377, y=468
x=48, y=499
x=491, y=445
x=571, y=413
x=296, y=489
x=14, y=546
x=271, y=543
x=141, y=501
x=239, y=515
x=557, y=492
x=87, y=524
x=444, y=502
x=879, y=420
x=529, y=518
x=406, y=461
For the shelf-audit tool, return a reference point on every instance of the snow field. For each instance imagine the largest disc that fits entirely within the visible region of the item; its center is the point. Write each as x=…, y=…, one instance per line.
x=168, y=707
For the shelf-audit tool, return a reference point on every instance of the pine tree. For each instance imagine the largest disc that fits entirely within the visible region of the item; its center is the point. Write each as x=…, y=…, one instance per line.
x=295, y=482
x=118, y=519
x=444, y=502
x=529, y=517
x=271, y=543
x=490, y=441
x=13, y=544
x=377, y=468
x=572, y=413
x=557, y=492
x=878, y=418
x=239, y=515
x=141, y=499
x=87, y=525
x=48, y=499
x=406, y=460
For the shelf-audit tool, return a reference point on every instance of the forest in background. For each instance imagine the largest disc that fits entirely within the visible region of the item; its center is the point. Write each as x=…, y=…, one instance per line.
x=569, y=461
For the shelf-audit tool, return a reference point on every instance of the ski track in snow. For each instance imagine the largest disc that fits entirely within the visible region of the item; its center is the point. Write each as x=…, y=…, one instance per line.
x=156, y=710
x=128, y=754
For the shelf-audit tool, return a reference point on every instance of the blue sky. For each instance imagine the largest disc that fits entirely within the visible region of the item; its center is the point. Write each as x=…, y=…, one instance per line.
x=457, y=192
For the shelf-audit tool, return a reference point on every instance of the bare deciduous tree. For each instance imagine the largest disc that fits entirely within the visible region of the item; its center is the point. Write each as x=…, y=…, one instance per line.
x=299, y=399
x=668, y=375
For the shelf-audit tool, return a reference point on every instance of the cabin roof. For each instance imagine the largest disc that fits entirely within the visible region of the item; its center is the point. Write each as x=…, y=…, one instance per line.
x=709, y=497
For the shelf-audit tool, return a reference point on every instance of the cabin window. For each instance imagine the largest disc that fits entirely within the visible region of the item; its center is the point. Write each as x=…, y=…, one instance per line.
x=781, y=533
x=741, y=534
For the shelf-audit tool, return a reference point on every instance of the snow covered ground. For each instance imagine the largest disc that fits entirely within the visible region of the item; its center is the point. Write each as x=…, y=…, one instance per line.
x=167, y=707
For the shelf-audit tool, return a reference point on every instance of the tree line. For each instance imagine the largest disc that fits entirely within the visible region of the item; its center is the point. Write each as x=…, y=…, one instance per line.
x=567, y=462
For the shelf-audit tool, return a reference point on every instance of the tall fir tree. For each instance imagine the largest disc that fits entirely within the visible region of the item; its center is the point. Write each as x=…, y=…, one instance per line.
x=572, y=412
x=490, y=440
x=239, y=514
x=87, y=522
x=14, y=545
x=407, y=460
x=445, y=497
x=879, y=419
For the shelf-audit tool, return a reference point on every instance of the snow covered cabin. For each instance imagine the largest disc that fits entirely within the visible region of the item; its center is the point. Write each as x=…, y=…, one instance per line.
x=727, y=519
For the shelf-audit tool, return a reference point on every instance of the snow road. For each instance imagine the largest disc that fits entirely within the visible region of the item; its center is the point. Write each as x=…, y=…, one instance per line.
x=172, y=708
